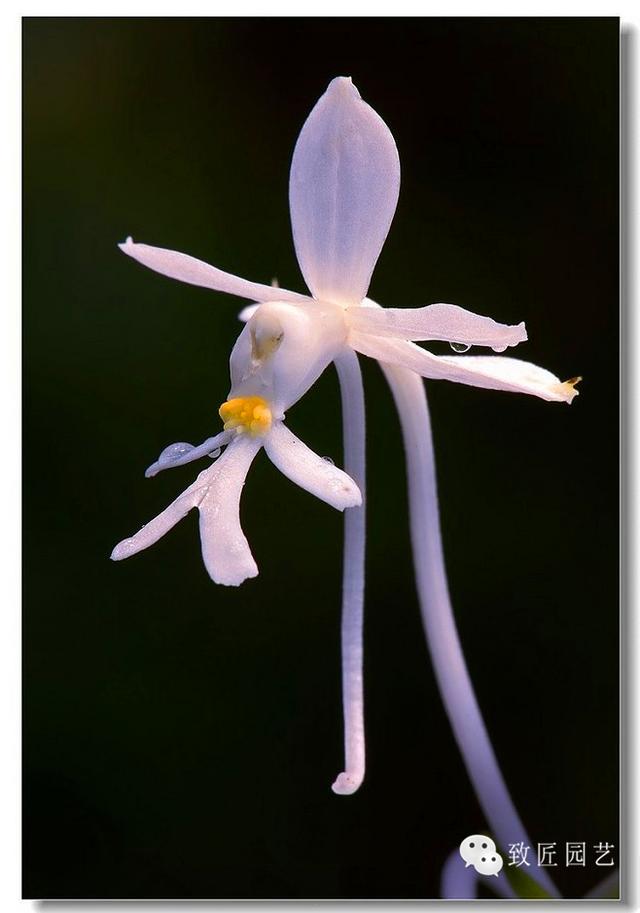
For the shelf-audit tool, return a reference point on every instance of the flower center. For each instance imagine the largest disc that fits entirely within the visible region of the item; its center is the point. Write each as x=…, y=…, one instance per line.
x=246, y=413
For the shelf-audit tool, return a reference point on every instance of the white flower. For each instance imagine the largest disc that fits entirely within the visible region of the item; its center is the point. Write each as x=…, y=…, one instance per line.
x=344, y=185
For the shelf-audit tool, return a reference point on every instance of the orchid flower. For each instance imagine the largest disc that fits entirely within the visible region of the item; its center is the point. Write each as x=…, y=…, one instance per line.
x=344, y=185
x=278, y=356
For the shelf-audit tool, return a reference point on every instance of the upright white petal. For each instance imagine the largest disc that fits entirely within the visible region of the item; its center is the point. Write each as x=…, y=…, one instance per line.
x=310, y=471
x=343, y=191
x=492, y=372
x=196, y=272
x=446, y=322
x=216, y=493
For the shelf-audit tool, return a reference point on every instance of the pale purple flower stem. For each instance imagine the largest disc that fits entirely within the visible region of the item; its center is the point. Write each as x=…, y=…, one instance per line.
x=459, y=882
x=439, y=623
x=353, y=421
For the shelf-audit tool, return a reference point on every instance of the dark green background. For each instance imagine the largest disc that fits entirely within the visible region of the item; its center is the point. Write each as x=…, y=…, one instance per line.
x=181, y=738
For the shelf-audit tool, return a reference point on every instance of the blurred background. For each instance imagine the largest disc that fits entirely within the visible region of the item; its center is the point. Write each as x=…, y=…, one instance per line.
x=180, y=738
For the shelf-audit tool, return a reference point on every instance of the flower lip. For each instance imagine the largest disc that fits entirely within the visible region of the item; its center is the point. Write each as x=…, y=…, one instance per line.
x=217, y=490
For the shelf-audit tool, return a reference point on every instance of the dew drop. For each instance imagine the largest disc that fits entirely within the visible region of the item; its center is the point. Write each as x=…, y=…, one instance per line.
x=174, y=452
x=329, y=461
x=500, y=348
x=459, y=347
x=215, y=453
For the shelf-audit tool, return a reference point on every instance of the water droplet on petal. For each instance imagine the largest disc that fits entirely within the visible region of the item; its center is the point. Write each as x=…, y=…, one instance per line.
x=500, y=348
x=459, y=346
x=329, y=460
x=215, y=453
x=174, y=452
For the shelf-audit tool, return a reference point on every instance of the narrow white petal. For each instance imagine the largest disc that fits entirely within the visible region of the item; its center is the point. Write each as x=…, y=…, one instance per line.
x=216, y=493
x=343, y=191
x=196, y=272
x=491, y=372
x=225, y=549
x=308, y=470
x=180, y=454
x=446, y=322
x=156, y=528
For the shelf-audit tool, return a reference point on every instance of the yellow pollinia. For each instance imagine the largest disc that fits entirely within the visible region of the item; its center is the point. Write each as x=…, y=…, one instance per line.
x=250, y=414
